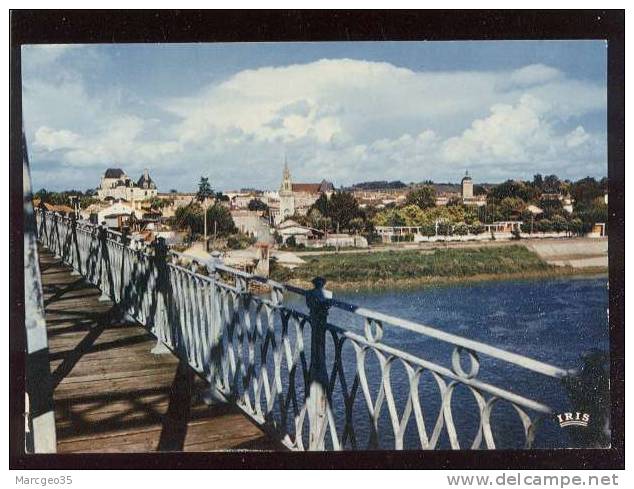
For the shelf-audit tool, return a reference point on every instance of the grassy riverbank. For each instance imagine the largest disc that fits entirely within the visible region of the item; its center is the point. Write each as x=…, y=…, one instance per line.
x=414, y=268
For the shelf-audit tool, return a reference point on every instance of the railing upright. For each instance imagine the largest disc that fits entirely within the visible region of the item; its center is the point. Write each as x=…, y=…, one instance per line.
x=74, y=247
x=317, y=402
x=39, y=409
x=229, y=333
x=161, y=323
x=103, y=256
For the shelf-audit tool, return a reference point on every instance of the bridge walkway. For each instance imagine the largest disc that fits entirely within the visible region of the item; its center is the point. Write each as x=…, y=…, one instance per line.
x=112, y=394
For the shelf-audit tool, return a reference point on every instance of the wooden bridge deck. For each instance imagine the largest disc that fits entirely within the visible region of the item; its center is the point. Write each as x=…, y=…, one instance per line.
x=113, y=395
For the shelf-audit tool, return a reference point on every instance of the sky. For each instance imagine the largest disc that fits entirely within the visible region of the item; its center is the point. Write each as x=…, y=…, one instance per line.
x=343, y=111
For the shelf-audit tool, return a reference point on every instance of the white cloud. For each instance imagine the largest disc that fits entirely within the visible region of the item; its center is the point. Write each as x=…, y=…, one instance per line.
x=342, y=119
x=509, y=133
x=577, y=137
x=39, y=55
x=52, y=140
x=533, y=74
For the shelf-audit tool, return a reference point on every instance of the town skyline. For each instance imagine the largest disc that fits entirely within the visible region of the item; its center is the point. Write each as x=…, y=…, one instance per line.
x=345, y=112
x=194, y=187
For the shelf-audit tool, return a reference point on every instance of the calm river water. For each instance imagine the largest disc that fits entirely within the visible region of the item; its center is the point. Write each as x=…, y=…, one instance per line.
x=553, y=320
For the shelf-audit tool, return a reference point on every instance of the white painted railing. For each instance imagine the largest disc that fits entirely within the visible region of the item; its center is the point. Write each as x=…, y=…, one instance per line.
x=312, y=384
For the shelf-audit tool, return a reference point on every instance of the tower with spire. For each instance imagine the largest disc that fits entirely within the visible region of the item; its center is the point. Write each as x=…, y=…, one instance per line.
x=467, y=187
x=287, y=200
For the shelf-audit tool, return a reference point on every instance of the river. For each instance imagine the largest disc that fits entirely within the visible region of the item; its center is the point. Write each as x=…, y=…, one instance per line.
x=552, y=320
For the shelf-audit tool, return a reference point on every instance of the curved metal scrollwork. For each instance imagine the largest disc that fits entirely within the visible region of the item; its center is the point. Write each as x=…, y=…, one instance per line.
x=255, y=350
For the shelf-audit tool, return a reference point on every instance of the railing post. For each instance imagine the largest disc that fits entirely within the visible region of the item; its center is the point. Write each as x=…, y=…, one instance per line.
x=215, y=260
x=103, y=272
x=210, y=395
x=317, y=301
x=40, y=434
x=589, y=394
x=123, y=300
x=161, y=286
x=74, y=249
x=58, y=247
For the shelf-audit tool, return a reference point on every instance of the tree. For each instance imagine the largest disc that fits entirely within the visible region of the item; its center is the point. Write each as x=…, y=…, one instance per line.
x=412, y=215
x=575, y=226
x=428, y=229
x=158, y=203
x=551, y=207
x=559, y=223
x=394, y=219
x=257, y=205
x=204, y=193
x=445, y=229
x=314, y=218
x=190, y=216
x=321, y=204
x=342, y=208
x=592, y=212
x=512, y=188
x=461, y=229
x=544, y=225
x=586, y=190
x=511, y=207
x=220, y=220
x=424, y=197
x=551, y=185
x=454, y=201
x=221, y=197
x=218, y=216
x=356, y=225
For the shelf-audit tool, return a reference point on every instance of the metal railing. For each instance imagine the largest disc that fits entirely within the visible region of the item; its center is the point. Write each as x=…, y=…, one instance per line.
x=311, y=383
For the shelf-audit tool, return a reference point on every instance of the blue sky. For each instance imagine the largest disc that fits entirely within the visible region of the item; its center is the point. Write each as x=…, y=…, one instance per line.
x=347, y=112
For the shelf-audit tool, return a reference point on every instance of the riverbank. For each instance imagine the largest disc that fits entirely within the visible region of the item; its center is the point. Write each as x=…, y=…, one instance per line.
x=406, y=269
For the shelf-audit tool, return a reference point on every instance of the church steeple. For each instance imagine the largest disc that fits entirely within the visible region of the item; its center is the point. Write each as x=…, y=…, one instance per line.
x=287, y=200
x=287, y=185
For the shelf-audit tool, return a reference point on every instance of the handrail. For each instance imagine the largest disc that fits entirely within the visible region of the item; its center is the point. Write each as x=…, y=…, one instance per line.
x=254, y=350
x=526, y=362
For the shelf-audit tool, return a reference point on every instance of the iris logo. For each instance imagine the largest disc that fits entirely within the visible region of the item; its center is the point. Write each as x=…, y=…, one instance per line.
x=573, y=419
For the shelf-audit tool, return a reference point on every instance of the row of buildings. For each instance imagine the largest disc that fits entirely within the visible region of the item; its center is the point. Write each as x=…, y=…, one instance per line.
x=292, y=198
x=124, y=201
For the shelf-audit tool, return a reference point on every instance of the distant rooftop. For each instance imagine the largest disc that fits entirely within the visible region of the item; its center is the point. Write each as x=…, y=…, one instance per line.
x=114, y=173
x=144, y=179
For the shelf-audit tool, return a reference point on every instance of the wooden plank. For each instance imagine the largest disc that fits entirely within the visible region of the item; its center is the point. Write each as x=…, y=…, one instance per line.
x=114, y=395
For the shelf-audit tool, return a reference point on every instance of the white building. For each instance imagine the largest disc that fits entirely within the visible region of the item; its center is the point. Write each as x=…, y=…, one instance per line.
x=467, y=193
x=297, y=197
x=116, y=184
x=467, y=187
x=301, y=233
x=252, y=223
x=113, y=216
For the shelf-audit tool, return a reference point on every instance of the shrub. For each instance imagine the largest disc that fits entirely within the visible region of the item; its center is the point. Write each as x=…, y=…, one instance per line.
x=445, y=229
x=234, y=243
x=544, y=225
x=428, y=230
x=461, y=229
x=559, y=224
x=525, y=227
